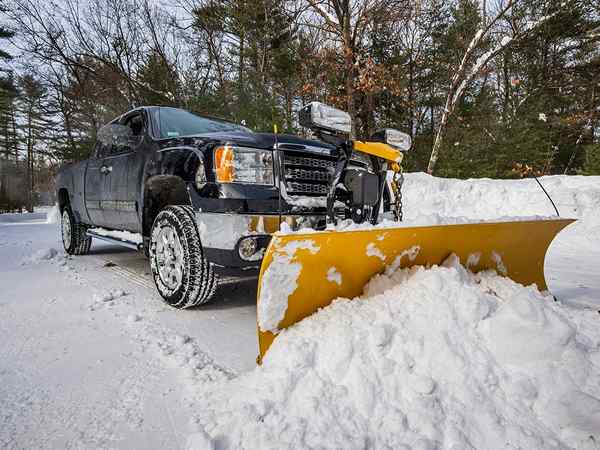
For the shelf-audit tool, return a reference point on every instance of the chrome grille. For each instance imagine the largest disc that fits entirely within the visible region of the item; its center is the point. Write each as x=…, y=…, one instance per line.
x=308, y=162
x=307, y=175
x=302, y=174
x=306, y=188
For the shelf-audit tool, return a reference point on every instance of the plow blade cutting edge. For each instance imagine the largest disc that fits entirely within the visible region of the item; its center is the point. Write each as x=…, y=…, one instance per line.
x=301, y=273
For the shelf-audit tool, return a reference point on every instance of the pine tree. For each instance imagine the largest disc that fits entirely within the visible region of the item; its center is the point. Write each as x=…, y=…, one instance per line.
x=8, y=93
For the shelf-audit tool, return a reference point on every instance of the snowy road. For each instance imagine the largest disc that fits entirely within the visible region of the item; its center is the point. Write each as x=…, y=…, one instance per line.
x=79, y=369
x=91, y=358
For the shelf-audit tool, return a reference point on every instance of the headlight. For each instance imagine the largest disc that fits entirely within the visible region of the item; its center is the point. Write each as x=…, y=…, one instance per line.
x=235, y=164
x=318, y=116
x=395, y=138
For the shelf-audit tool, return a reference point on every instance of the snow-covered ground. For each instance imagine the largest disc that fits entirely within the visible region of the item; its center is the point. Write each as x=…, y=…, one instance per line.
x=437, y=358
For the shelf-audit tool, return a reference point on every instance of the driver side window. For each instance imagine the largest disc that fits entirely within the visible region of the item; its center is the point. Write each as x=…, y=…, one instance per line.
x=136, y=124
x=116, y=139
x=113, y=139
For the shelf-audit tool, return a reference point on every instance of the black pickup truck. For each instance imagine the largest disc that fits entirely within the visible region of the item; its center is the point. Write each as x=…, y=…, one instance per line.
x=204, y=194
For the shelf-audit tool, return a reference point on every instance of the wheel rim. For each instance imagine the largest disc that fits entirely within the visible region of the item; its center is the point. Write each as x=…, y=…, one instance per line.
x=66, y=229
x=169, y=257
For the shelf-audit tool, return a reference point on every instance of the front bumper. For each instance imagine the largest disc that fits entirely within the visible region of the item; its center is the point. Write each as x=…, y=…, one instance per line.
x=222, y=233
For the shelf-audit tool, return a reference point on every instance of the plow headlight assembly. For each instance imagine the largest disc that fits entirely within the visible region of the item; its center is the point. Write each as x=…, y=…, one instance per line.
x=234, y=164
x=318, y=116
x=395, y=138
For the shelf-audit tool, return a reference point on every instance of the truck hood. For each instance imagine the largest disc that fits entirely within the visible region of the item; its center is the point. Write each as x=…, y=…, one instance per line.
x=254, y=140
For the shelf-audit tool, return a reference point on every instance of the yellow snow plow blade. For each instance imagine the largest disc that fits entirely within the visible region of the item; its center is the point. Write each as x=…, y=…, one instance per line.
x=301, y=273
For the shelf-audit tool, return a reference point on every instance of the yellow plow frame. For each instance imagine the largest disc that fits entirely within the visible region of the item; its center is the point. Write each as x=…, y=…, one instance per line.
x=516, y=249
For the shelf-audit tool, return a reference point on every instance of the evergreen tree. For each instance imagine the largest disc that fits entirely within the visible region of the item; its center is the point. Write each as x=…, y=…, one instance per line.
x=8, y=92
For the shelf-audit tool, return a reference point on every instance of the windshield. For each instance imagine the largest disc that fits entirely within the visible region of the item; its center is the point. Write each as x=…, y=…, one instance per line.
x=174, y=122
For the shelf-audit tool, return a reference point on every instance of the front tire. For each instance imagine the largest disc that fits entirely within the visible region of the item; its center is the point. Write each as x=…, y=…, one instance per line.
x=73, y=233
x=183, y=276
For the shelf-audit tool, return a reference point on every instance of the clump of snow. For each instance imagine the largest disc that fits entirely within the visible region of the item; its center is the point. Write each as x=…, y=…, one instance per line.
x=542, y=117
x=500, y=266
x=44, y=254
x=428, y=358
x=334, y=276
x=106, y=298
x=373, y=250
x=53, y=215
x=182, y=352
x=473, y=259
x=279, y=282
x=411, y=253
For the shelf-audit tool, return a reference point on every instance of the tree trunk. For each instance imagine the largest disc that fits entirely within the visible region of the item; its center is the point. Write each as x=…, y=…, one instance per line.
x=349, y=63
x=29, y=162
x=437, y=144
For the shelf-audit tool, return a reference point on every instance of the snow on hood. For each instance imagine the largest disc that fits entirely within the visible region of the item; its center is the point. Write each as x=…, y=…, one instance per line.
x=428, y=358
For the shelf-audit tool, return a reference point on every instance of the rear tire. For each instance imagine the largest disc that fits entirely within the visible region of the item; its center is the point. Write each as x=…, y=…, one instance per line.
x=73, y=233
x=183, y=276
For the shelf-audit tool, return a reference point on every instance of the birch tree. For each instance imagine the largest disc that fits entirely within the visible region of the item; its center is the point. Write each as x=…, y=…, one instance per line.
x=469, y=67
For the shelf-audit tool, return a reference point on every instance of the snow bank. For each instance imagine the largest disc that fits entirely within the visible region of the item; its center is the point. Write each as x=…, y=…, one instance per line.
x=438, y=199
x=53, y=215
x=429, y=358
x=429, y=200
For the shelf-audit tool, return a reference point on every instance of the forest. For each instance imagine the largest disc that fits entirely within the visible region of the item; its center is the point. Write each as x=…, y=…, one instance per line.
x=486, y=88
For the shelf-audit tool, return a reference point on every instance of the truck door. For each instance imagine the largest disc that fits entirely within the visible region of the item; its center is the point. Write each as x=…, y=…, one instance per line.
x=120, y=206
x=136, y=160
x=96, y=182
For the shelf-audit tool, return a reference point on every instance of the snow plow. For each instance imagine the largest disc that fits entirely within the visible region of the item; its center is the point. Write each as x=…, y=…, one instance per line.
x=302, y=272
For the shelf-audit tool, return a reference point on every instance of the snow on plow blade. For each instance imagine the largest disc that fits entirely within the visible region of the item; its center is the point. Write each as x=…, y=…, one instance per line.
x=301, y=273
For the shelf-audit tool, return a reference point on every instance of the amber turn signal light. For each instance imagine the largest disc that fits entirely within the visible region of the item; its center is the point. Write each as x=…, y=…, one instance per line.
x=224, y=164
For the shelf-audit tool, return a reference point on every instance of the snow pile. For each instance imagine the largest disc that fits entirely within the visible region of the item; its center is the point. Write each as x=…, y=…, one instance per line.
x=429, y=358
x=429, y=200
x=53, y=215
x=44, y=254
x=438, y=199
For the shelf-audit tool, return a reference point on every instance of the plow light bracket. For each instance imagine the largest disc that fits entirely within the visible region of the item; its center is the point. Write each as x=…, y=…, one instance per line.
x=394, y=138
x=320, y=117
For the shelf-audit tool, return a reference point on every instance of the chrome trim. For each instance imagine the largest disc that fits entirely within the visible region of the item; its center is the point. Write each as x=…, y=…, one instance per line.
x=224, y=230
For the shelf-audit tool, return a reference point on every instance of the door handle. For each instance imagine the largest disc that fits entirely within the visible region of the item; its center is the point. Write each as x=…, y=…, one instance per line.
x=106, y=169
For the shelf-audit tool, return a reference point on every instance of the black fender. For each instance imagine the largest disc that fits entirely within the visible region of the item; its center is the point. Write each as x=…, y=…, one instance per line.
x=70, y=189
x=160, y=191
x=168, y=174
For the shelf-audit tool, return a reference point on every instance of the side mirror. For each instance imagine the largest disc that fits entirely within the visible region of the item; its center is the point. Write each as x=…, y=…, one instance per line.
x=394, y=138
x=320, y=117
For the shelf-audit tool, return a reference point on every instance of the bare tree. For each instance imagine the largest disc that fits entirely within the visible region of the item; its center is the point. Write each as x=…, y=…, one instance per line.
x=348, y=21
